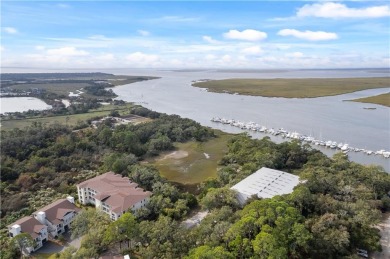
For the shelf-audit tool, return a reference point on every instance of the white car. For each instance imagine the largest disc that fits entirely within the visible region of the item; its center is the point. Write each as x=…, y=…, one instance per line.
x=362, y=254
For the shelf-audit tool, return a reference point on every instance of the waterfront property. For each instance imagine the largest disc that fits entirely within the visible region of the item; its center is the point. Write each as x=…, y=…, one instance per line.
x=112, y=194
x=47, y=222
x=265, y=183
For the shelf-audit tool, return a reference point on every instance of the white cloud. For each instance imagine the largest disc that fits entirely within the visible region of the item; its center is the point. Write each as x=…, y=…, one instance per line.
x=226, y=58
x=294, y=55
x=143, y=33
x=338, y=10
x=64, y=6
x=308, y=35
x=254, y=50
x=39, y=47
x=10, y=30
x=64, y=56
x=98, y=37
x=209, y=39
x=210, y=57
x=175, y=19
x=105, y=57
x=141, y=58
x=67, y=51
x=2, y=48
x=249, y=35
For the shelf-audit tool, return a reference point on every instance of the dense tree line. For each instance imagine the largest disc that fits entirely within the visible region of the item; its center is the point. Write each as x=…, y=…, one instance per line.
x=35, y=157
x=329, y=215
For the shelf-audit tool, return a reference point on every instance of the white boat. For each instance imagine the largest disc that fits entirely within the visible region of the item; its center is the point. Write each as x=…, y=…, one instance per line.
x=345, y=147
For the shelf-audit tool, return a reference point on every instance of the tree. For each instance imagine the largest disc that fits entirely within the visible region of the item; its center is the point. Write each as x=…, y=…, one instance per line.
x=23, y=242
x=124, y=229
x=331, y=237
x=206, y=252
x=217, y=198
x=67, y=253
x=86, y=220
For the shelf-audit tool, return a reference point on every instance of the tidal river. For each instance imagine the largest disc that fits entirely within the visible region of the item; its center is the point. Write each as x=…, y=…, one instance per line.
x=325, y=118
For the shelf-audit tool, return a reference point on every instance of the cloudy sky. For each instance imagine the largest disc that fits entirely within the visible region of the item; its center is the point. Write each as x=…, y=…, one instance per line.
x=182, y=34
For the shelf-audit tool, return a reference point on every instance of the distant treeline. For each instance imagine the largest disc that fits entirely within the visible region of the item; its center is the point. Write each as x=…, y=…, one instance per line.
x=34, y=76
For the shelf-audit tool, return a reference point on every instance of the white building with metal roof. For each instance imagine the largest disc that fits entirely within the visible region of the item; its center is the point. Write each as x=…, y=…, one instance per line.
x=265, y=183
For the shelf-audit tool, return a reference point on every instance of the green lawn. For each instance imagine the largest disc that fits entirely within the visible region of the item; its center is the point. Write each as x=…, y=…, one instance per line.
x=294, y=88
x=382, y=99
x=195, y=167
x=66, y=119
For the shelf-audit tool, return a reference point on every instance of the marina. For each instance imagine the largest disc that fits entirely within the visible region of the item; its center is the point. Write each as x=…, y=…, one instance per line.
x=343, y=147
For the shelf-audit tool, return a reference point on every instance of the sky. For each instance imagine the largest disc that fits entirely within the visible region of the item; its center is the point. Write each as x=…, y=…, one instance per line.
x=200, y=34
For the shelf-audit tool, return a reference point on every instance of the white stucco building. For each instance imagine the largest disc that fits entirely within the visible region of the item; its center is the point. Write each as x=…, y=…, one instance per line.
x=57, y=216
x=112, y=194
x=47, y=222
x=265, y=183
x=31, y=226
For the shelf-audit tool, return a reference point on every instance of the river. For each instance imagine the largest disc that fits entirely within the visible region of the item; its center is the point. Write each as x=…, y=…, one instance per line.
x=326, y=118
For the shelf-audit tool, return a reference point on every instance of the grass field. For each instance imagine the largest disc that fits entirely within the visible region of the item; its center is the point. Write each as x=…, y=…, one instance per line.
x=294, y=88
x=382, y=99
x=66, y=119
x=57, y=88
x=200, y=163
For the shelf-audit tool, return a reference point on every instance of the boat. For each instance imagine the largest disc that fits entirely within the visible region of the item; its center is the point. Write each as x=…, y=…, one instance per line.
x=345, y=148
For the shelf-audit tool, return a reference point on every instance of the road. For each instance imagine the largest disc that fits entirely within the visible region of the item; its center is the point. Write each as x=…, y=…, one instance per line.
x=195, y=220
x=385, y=239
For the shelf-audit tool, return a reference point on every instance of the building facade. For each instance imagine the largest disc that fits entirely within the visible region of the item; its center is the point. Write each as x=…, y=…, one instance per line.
x=47, y=222
x=112, y=194
x=34, y=228
x=58, y=215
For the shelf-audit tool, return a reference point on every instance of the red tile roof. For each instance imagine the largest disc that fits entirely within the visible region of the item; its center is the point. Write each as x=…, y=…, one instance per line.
x=56, y=211
x=29, y=225
x=116, y=191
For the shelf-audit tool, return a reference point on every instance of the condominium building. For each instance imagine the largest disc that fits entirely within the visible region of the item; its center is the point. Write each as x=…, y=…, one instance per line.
x=112, y=194
x=47, y=222
x=58, y=215
x=34, y=228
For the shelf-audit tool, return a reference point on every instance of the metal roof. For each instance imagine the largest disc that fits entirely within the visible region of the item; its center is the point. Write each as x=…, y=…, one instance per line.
x=266, y=183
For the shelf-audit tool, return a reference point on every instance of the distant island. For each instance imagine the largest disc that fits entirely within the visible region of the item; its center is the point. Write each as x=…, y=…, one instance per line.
x=293, y=88
x=382, y=99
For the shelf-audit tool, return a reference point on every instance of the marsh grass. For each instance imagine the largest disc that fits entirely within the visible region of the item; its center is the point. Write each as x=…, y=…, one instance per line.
x=294, y=88
x=195, y=167
x=382, y=99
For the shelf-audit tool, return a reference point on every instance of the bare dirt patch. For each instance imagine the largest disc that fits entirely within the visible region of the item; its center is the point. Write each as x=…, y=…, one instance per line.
x=179, y=154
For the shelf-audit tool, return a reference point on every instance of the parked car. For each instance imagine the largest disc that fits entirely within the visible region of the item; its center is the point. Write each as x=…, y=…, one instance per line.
x=361, y=254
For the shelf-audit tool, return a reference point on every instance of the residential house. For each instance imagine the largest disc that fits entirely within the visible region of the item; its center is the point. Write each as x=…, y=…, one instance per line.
x=58, y=215
x=112, y=194
x=34, y=228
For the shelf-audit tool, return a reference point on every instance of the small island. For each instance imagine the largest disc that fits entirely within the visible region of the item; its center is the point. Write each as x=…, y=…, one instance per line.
x=293, y=88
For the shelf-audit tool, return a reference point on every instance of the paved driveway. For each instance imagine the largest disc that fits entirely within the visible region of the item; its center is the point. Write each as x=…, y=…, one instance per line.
x=51, y=247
